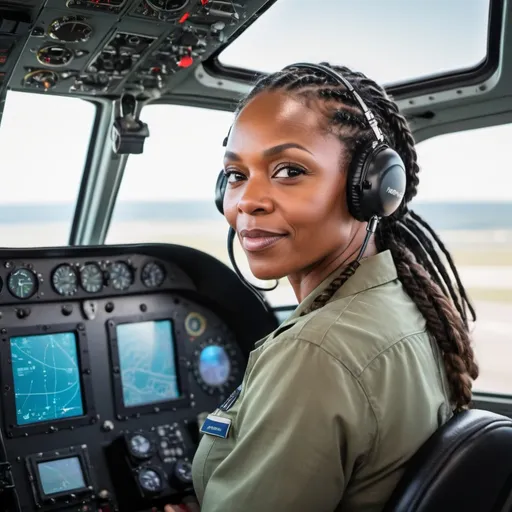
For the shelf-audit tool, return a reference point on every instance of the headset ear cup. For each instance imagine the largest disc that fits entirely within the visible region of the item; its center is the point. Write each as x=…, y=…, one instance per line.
x=220, y=190
x=354, y=194
x=376, y=182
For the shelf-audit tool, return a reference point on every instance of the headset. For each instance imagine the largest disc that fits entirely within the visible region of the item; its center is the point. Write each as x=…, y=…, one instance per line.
x=376, y=178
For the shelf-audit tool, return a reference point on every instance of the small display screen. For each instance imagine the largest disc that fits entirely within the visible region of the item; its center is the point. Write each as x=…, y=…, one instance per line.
x=148, y=362
x=214, y=365
x=46, y=377
x=61, y=475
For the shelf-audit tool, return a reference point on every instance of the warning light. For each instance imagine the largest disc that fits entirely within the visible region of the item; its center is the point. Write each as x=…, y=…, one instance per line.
x=185, y=61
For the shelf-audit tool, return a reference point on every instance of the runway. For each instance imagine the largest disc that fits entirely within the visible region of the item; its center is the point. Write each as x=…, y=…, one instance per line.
x=493, y=347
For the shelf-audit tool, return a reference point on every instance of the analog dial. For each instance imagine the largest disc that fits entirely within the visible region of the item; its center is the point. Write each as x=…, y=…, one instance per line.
x=41, y=79
x=153, y=275
x=150, y=480
x=167, y=5
x=91, y=278
x=65, y=280
x=22, y=283
x=54, y=55
x=70, y=29
x=121, y=275
x=140, y=446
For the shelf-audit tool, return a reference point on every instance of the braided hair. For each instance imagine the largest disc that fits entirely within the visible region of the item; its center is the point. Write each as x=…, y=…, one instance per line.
x=417, y=251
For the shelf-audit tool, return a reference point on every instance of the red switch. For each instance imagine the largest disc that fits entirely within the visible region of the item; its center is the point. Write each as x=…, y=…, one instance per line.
x=185, y=61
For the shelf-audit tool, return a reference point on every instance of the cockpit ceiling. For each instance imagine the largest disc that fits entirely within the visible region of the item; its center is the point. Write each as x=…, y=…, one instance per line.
x=106, y=48
x=110, y=47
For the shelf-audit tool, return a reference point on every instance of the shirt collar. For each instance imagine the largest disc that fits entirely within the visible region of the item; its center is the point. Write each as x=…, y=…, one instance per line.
x=373, y=271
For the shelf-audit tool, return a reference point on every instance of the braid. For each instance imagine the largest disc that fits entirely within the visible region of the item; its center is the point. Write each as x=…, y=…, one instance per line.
x=443, y=321
x=412, y=242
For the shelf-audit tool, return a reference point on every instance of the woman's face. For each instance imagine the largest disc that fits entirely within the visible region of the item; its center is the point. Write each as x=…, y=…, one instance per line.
x=286, y=194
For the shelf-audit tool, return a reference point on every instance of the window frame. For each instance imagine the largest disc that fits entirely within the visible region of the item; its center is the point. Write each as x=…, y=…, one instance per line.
x=462, y=78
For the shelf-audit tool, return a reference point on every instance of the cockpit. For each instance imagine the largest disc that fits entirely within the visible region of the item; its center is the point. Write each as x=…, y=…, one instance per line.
x=122, y=320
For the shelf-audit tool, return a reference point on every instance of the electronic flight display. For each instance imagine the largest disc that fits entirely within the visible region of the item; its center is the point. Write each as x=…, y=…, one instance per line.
x=46, y=377
x=147, y=357
x=61, y=475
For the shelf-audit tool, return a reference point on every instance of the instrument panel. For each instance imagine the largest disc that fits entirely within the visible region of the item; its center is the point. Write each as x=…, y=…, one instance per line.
x=84, y=278
x=106, y=375
x=108, y=47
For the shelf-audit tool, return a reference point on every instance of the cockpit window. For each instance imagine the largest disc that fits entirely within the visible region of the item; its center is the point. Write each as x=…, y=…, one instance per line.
x=463, y=197
x=167, y=193
x=43, y=146
x=418, y=39
x=167, y=196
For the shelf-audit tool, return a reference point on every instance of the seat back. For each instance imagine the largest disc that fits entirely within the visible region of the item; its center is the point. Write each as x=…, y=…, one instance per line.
x=465, y=465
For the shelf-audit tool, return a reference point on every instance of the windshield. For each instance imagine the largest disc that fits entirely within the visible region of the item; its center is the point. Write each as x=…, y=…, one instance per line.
x=417, y=39
x=167, y=195
x=43, y=143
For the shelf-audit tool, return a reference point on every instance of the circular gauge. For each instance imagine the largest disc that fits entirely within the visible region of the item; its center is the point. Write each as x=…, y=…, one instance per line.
x=167, y=5
x=91, y=278
x=65, y=281
x=183, y=472
x=54, y=56
x=120, y=275
x=41, y=79
x=140, y=446
x=70, y=29
x=195, y=324
x=215, y=366
x=150, y=480
x=22, y=283
x=152, y=275
x=99, y=5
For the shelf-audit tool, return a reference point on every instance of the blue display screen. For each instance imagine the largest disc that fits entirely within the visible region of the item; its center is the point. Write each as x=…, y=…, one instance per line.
x=46, y=377
x=214, y=365
x=148, y=363
x=61, y=475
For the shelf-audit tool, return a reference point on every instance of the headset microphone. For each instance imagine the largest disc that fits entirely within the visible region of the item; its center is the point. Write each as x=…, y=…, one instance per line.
x=255, y=289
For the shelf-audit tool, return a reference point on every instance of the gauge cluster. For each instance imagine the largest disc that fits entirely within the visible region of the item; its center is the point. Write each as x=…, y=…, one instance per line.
x=38, y=280
x=108, y=47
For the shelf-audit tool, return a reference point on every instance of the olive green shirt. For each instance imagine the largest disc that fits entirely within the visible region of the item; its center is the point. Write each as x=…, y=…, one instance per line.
x=333, y=404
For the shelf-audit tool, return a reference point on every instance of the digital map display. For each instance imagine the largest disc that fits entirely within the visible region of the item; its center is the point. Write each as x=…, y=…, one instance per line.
x=61, y=475
x=147, y=361
x=46, y=377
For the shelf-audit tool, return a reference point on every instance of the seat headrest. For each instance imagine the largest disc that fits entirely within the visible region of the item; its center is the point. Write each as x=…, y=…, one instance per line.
x=465, y=465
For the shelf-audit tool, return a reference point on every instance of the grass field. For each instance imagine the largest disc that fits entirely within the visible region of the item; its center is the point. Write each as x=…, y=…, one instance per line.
x=483, y=257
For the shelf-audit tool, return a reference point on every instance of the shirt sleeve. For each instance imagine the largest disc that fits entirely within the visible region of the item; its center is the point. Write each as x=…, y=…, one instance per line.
x=303, y=426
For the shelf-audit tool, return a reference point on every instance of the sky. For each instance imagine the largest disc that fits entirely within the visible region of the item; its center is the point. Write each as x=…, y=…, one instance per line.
x=44, y=138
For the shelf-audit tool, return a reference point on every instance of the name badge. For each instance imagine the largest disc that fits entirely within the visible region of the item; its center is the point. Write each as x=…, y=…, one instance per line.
x=216, y=426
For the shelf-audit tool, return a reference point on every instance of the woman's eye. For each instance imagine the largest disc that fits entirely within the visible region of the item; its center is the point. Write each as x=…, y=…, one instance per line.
x=289, y=172
x=233, y=176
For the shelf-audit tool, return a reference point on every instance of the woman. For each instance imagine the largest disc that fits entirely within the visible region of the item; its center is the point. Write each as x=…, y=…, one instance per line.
x=377, y=355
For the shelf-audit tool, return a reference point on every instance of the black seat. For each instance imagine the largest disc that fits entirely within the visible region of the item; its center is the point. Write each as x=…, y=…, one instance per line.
x=464, y=466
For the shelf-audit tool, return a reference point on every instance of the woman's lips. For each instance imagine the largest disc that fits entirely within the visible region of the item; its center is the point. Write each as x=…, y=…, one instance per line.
x=255, y=240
